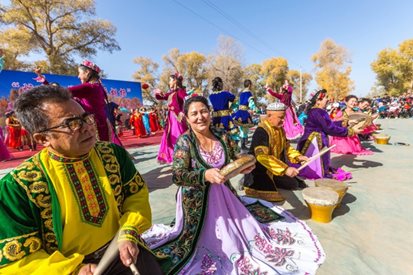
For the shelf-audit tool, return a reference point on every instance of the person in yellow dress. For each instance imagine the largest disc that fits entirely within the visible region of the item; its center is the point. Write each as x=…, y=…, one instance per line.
x=61, y=208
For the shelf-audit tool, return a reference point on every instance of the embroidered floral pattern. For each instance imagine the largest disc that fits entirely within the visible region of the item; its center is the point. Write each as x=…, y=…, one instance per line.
x=88, y=191
x=245, y=267
x=273, y=254
x=129, y=233
x=215, y=158
x=106, y=152
x=282, y=236
x=16, y=248
x=13, y=250
x=30, y=177
x=208, y=266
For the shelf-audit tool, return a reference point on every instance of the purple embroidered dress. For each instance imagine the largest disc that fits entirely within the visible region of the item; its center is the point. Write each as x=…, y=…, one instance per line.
x=318, y=126
x=216, y=232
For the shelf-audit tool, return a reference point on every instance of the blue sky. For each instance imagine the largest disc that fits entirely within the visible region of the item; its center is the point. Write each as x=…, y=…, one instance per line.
x=292, y=29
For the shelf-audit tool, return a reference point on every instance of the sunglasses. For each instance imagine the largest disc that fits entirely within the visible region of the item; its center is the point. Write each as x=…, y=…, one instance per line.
x=74, y=123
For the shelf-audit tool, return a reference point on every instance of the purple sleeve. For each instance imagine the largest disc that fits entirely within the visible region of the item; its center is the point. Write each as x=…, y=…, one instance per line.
x=277, y=95
x=182, y=93
x=328, y=126
x=160, y=97
x=80, y=90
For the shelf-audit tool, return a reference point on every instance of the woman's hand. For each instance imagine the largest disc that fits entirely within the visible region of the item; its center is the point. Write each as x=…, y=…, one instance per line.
x=214, y=176
x=38, y=71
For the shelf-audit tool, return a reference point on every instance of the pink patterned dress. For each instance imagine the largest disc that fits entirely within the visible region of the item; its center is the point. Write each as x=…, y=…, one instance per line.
x=347, y=145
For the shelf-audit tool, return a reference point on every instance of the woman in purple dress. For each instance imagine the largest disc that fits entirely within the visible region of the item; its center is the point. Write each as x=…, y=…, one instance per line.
x=175, y=122
x=216, y=232
x=318, y=126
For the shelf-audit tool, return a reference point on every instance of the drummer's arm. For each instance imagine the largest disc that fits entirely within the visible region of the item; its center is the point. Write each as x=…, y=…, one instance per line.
x=181, y=173
x=294, y=156
x=136, y=216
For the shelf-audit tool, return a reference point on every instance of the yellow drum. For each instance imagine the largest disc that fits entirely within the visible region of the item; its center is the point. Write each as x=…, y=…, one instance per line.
x=321, y=201
x=336, y=185
x=381, y=139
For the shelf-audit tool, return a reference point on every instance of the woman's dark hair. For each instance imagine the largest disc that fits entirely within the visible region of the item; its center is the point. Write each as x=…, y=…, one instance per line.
x=28, y=106
x=314, y=99
x=247, y=83
x=94, y=75
x=217, y=84
x=364, y=99
x=347, y=98
x=178, y=79
x=195, y=99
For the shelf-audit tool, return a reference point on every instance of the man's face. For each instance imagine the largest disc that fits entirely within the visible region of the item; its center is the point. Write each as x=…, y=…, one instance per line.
x=276, y=118
x=62, y=140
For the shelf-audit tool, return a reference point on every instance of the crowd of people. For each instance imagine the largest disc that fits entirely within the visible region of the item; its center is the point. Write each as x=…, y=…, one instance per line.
x=61, y=209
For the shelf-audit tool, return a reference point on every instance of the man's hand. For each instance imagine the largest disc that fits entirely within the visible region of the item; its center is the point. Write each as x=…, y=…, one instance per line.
x=302, y=158
x=291, y=172
x=128, y=252
x=214, y=176
x=88, y=269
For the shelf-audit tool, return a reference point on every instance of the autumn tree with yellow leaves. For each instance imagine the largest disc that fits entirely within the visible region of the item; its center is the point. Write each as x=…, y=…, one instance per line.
x=394, y=68
x=146, y=73
x=60, y=30
x=333, y=69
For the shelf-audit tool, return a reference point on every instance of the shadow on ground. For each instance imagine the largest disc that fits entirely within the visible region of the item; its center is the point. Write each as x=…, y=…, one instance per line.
x=159, y=178
x=371, y=147
x=351, y=161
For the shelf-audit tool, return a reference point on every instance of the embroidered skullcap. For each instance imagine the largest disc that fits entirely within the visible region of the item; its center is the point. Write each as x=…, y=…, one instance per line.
x=89, y=64
x=276, y=106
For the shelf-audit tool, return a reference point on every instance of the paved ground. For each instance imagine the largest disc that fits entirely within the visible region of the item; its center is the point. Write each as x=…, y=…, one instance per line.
x=371, y=233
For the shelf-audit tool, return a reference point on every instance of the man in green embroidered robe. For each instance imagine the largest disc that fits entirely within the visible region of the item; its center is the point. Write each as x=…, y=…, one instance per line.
x=273, y=152
x=60, y=208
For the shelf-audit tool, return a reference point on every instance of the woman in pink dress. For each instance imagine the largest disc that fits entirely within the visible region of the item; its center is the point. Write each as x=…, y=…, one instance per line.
x=175, y=122
x=351, y=144
x=293, y=128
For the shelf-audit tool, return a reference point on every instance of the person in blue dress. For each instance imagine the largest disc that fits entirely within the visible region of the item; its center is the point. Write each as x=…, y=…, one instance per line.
x=221, y=100
x=145, y=120
x=242, y=117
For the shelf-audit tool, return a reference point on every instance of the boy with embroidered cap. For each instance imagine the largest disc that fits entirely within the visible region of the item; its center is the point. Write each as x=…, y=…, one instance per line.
x=273, y=152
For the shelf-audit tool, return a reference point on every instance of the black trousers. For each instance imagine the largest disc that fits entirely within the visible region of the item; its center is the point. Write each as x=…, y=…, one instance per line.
x=146, y=264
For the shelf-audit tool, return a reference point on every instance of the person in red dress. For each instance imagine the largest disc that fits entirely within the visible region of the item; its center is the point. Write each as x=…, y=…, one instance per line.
x=153, y=120
x=137, y=123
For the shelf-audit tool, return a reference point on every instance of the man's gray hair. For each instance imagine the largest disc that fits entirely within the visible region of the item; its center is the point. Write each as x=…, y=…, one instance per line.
x=28, y=106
